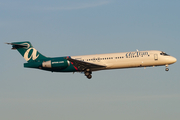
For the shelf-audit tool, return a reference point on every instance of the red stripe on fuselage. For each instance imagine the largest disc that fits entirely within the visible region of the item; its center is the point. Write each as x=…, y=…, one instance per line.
x=72, y=63
x=74, y=66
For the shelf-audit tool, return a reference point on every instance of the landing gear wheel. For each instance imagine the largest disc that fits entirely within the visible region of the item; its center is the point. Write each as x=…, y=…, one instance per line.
x=89, y=76
x=167, y=69
x=87, y=73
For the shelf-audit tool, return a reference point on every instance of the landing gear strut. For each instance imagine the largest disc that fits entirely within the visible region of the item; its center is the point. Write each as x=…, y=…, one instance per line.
x=167, y=69
x=88, y=73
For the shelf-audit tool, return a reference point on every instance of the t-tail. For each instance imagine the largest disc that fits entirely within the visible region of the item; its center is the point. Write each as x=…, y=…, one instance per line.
x=29, y=53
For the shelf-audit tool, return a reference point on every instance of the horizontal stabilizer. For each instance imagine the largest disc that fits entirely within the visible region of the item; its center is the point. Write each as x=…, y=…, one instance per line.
x=15, y=46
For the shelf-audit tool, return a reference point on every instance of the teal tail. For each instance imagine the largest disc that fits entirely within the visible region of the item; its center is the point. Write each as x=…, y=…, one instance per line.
x=29, y=53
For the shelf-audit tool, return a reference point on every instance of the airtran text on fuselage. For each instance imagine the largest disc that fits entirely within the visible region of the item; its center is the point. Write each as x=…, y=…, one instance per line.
x=57, y=62
x=138, y=53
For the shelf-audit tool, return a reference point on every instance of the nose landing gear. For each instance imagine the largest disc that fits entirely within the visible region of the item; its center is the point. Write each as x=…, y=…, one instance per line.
x=167, y=69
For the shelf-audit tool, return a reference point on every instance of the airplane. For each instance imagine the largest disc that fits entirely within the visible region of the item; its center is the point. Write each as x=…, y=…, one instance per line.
x=90, y=63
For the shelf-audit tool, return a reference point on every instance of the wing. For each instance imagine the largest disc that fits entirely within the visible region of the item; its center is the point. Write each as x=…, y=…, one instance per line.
x=82, y=66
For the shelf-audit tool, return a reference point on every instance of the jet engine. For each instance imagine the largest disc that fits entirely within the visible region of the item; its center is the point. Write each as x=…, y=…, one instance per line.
x=60, y=64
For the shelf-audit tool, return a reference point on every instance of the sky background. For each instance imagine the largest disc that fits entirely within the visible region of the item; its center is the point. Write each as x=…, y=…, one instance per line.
x=77, y=27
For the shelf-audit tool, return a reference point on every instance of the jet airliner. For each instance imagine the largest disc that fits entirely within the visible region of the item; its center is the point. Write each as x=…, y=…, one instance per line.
x=89, y=63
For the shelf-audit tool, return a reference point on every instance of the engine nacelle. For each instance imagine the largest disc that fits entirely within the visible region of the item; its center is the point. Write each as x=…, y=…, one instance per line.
x=60, y=64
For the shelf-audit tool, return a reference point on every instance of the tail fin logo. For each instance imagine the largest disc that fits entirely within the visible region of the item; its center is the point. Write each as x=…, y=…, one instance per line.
x=33, y=55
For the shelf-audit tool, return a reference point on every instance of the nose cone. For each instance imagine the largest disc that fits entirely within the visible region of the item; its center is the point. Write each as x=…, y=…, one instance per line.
x=172, y=60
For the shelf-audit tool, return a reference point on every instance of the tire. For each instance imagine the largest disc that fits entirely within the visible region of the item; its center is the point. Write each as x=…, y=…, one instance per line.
x=87, y=73
x=89, y=76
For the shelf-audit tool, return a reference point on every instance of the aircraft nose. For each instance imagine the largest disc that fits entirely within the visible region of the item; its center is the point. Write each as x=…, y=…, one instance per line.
x=171, y=60
x=174, y=59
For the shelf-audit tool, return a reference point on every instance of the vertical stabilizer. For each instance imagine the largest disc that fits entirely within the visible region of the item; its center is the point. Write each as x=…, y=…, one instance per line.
x=29, y=53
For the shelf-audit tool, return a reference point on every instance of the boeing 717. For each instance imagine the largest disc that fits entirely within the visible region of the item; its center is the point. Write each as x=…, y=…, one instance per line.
x=90, y=63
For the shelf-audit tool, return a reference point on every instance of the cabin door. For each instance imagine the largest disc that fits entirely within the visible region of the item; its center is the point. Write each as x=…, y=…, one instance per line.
x=155, y=56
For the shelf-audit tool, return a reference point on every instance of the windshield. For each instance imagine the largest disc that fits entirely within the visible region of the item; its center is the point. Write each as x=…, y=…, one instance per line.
x=163, y=53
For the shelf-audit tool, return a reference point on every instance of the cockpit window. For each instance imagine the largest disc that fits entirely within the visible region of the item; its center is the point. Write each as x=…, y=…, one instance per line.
x=163, y=53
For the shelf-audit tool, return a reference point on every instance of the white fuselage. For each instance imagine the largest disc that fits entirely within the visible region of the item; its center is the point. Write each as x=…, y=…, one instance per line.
x=128, y=59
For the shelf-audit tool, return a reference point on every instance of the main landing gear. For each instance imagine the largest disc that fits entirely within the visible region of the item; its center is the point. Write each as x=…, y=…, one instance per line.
x=167, y=69
x=88, y=73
